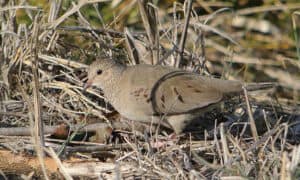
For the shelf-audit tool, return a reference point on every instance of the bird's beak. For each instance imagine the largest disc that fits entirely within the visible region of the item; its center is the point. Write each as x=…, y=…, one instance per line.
x=87, y=85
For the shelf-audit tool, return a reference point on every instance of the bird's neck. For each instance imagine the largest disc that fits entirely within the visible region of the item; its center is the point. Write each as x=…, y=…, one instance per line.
x=110, y=87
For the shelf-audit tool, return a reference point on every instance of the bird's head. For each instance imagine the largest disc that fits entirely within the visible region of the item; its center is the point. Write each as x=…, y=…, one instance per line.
x=101, y=72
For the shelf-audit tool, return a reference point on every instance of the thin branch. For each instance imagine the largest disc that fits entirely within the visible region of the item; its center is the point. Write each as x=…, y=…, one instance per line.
x=184, y=33
x=251, y=119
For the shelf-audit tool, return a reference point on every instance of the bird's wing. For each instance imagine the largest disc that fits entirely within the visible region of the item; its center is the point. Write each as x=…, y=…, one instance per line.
x=181, y=92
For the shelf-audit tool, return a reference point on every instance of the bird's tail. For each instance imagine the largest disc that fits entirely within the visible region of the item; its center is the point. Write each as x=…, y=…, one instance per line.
x=260, y=86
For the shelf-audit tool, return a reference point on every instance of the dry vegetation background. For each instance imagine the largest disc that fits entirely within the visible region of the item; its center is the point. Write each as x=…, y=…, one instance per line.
x=47, y=45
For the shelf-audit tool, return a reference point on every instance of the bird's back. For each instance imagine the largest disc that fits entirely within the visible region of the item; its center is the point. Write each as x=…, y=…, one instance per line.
x=156, y=90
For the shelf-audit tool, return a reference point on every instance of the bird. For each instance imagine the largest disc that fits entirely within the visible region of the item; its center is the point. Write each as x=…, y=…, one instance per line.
x=158, y=94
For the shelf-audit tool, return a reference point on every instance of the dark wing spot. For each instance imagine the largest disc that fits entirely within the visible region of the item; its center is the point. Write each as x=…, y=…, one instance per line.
x=175, y=90
x=145, y=95
x=197, y=91
x=137, y=92
x=180, y=98
x=189, y=86
x=148, y=100
x=163, y=106
x=162, y=98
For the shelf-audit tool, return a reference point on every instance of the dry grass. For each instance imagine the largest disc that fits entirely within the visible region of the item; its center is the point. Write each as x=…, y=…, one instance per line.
x=43, y=66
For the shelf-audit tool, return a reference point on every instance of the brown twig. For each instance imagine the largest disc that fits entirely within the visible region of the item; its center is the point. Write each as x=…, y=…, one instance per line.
x=184, y=33
x=149, y=17
x=251, y=119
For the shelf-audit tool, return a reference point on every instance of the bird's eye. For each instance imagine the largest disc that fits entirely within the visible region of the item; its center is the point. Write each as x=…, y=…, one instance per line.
x=99, y=71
